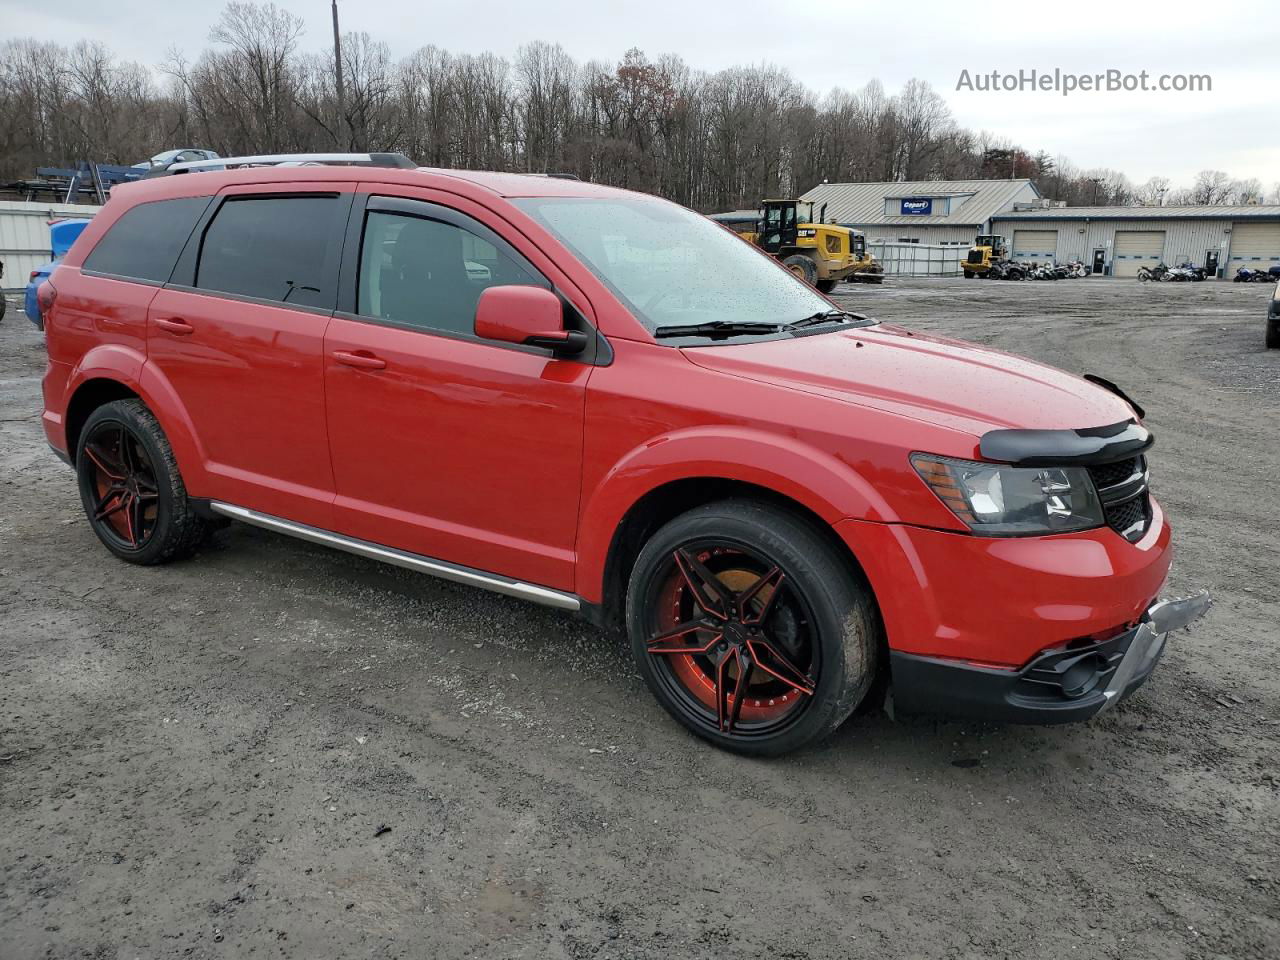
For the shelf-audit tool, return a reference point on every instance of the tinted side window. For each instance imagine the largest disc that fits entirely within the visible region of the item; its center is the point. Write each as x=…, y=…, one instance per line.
x=273, y=248
x=430, y=274
x=145, y=242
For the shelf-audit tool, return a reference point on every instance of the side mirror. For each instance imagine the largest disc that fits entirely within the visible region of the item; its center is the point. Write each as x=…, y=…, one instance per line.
x=531, y=316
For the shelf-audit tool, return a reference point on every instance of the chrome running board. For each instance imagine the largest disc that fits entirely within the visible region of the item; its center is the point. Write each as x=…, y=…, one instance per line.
x=402, y=558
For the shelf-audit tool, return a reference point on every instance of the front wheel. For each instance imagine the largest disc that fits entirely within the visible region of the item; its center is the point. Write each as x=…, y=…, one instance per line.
x=803, y=267
x=750, y=628
x=826, y=286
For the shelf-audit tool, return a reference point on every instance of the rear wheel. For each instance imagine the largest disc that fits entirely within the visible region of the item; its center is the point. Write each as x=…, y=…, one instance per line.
x=826, y=286
x=968, y=274
x=749, y=627
x=803, y=267
x=129, y=484
x=1273, y=335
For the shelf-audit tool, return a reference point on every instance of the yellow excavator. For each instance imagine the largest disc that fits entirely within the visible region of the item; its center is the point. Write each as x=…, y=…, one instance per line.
x=819, y=253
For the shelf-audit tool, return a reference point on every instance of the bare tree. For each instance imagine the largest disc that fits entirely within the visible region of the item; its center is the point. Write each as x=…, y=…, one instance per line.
x=1211, y=187
x=712, y=141
x=1152, y=193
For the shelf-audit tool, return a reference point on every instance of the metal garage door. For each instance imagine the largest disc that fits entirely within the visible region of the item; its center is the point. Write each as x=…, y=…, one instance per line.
x=1035, y=245
x=1254, y=245
x=1136, y=248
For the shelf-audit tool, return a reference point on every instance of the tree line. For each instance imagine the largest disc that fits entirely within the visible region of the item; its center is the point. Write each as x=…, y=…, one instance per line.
x=711, y=141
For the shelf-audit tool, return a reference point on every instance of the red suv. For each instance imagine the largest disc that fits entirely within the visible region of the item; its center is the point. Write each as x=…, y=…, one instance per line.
x=600, y=401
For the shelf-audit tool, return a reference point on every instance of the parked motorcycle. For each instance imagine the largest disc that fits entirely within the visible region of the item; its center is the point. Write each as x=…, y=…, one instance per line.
x=1247, y=275
x=1153, y=273
x=1196, y=271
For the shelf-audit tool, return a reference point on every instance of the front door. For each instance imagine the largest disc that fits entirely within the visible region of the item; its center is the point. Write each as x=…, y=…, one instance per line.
x=1099, y=262
x=238, y=334
x=1211, y=263
x=444, y=444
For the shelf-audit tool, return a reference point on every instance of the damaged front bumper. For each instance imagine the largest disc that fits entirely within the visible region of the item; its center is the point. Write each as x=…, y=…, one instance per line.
x=1058, y=686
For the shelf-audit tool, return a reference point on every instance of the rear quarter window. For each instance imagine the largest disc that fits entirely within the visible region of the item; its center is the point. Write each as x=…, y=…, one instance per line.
x=145, y=242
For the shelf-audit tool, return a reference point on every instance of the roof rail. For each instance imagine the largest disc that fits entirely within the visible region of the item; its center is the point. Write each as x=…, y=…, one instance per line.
x=396, y=160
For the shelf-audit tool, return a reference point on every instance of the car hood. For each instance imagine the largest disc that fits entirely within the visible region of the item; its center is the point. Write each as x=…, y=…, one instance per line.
x=947, y=382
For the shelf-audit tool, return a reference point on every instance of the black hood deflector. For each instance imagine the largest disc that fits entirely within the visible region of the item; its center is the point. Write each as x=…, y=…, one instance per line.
x=1062, y=448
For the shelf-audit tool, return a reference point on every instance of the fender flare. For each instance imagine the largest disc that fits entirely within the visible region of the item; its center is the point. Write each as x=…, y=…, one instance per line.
x=818, y=481
x=130, y=368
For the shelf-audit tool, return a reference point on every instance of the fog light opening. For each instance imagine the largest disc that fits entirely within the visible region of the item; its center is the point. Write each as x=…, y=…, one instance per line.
x=1083, y=676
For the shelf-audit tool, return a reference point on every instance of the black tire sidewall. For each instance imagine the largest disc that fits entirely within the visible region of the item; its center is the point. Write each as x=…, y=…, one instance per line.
x=144, y=431
x=812, y=568
x=806, y=265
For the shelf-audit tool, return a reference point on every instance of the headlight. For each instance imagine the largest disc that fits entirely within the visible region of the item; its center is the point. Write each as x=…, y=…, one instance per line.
x=999, y=501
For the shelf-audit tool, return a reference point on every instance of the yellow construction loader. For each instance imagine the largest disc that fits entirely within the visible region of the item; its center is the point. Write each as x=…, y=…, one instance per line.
x=987, y=250
x=820, y=253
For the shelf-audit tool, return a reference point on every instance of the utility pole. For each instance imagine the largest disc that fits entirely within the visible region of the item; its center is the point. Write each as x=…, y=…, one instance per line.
x=1095, y=181
x=342, y=94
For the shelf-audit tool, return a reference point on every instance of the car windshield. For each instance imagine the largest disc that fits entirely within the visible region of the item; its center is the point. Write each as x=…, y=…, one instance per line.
x=673, y=267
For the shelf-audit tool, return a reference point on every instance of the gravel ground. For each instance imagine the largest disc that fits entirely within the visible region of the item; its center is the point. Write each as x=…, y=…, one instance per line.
x=277, y=751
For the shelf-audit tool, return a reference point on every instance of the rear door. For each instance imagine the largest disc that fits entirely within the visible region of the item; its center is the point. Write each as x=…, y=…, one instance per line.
x=239, y=333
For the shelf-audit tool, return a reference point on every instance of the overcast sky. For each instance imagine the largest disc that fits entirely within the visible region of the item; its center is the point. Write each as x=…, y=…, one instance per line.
x=1233, y=128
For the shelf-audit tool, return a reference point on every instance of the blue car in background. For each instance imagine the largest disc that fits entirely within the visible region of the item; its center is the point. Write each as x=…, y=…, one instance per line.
x=62, y=234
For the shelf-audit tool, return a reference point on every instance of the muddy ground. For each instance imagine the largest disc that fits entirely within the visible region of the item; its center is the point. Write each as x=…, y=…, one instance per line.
x=278, y=751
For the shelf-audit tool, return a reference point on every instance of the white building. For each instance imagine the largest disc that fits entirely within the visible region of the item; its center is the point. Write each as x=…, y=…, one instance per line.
x=1113, y=240
x=928, y=211
x=1119, y=240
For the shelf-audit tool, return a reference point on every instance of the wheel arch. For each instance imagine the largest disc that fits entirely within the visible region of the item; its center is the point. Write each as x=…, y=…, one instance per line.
x=88, y=397
x=669, y=500
x=114, y=373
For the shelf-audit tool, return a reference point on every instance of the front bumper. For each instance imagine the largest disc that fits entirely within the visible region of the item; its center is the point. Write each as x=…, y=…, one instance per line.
x=1058, y=686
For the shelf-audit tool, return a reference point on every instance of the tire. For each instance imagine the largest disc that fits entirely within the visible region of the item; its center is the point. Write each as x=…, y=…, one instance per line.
x=1273, y=334
x=826, y=286
x=811, y=654
x=130, y=486
x=968, y=274
x=803, y=267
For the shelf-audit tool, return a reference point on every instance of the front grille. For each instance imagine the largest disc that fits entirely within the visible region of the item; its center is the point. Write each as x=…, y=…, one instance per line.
x=1126, y=501
x=975, y=256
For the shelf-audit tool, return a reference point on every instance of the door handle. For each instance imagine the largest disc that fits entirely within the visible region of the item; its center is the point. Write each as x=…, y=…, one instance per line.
x=175, y=325
x=361, y=359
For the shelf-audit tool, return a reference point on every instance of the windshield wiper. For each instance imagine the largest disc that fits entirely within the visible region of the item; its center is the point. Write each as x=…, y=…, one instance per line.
x=719, y=328
x=823, y=317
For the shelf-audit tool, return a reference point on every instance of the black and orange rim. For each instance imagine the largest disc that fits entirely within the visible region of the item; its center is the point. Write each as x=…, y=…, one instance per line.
x=121, y=483
x=733, y=639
